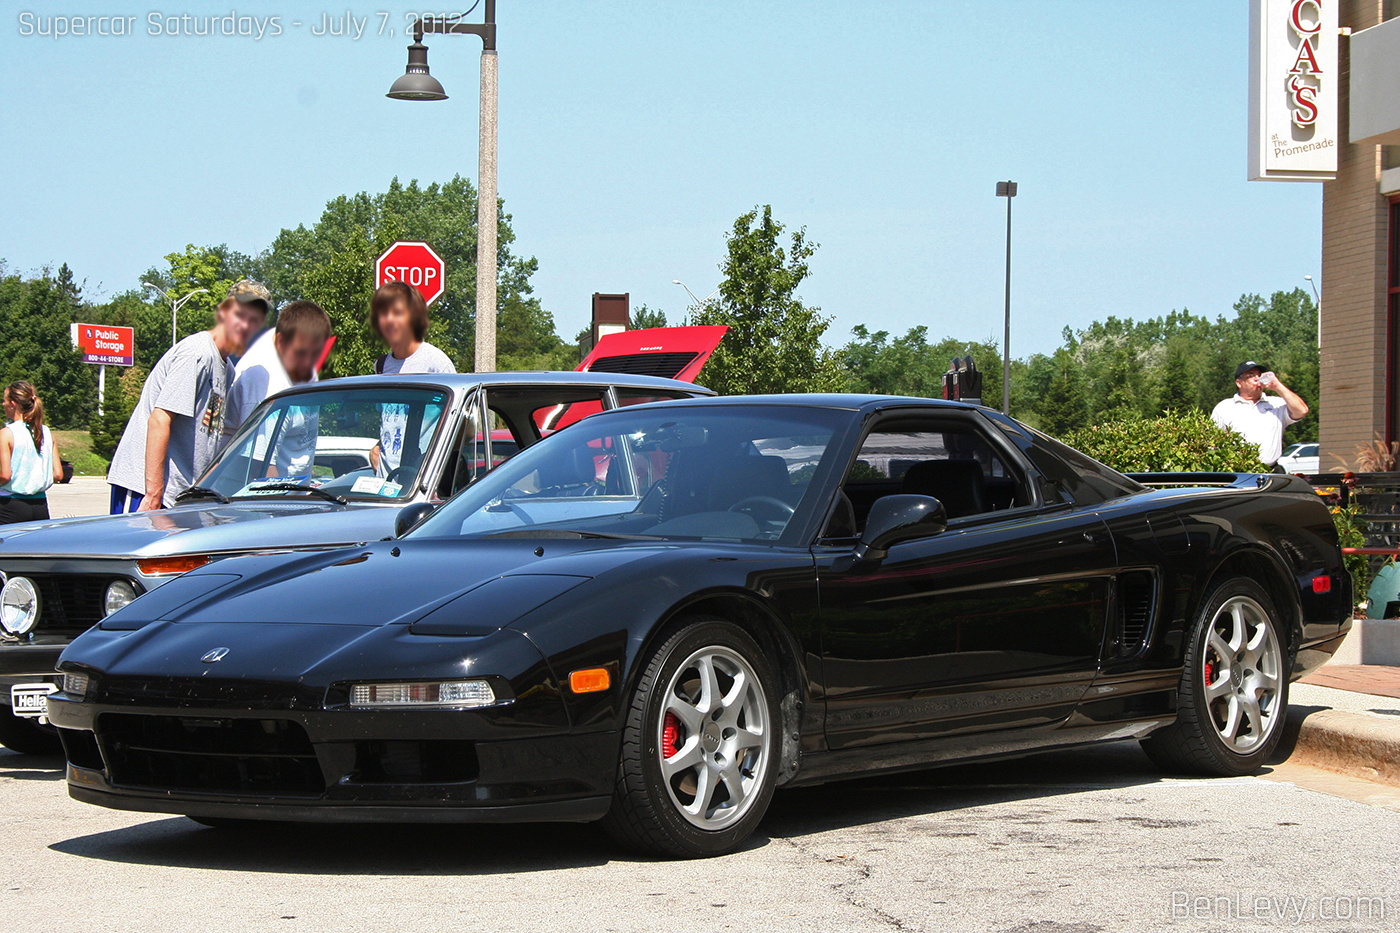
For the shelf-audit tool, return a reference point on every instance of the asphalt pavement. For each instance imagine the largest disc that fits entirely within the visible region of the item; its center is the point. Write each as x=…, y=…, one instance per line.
x=1069, y=842
x=84, y=495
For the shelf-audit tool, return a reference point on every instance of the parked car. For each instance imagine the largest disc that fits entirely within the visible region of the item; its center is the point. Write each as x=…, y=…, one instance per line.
x=61, y=577
x=660, y=614
x=1301, y=458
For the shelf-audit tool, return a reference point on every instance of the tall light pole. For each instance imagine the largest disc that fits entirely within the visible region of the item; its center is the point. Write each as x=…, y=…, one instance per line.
x=699, y=303
x=1007, y=189
x=1318, y=298
x=418, y=84
x=175, y=305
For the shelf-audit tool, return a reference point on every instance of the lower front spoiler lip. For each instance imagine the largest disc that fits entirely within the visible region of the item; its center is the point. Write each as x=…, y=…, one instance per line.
x=89, y=787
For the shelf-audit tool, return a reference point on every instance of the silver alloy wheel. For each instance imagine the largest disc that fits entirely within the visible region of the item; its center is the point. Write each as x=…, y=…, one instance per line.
x=1242, y=670
x=714, y=723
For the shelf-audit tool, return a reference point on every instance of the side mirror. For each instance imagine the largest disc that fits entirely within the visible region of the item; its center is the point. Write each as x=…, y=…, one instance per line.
x=411, y=516
x=893, y=519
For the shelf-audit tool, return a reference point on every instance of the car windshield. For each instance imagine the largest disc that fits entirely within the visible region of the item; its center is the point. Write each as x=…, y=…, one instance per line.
x=704, y=472
x=361, y=443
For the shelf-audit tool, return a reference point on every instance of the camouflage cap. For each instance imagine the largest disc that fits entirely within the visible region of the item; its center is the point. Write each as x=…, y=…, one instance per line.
x=247, y=291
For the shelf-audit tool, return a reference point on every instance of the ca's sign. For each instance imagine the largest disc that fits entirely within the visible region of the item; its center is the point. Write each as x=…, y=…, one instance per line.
x=413, y=262
x=1293, y=90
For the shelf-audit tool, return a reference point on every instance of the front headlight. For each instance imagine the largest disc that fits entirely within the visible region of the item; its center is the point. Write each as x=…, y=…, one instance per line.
x=119, y=594
x=456, y=693
x=19, y=605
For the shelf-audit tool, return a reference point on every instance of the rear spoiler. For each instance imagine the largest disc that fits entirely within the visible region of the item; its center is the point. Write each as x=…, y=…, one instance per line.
x=1239, y=480
x=668, y=352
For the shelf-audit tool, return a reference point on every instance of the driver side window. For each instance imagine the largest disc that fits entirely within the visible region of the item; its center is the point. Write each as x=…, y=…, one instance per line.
x=949, y=460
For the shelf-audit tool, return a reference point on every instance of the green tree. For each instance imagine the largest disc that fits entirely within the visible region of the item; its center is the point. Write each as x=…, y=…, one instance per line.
x=644, y=317
x=36, y=345
x=1062, y=407
x=315, y=262
x=774, y=342
x=213, y=268
x=1177, y=393
x=911, y=365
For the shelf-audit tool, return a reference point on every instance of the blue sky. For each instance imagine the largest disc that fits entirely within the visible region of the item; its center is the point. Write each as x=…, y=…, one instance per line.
x=632, y=134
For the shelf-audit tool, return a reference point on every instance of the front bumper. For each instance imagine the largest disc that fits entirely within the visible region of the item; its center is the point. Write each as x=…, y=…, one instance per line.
x=26, y=663
x=335, y=765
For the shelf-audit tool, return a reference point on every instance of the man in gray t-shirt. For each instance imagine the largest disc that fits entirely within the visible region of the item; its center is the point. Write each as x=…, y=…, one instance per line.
x=176, y=429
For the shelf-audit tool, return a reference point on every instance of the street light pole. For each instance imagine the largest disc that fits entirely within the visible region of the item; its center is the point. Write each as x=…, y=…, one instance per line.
x=1318, y=298
x=699, y=303
x=175, y=305
x=486, y=212
x=1007, y=189
x=418, y=84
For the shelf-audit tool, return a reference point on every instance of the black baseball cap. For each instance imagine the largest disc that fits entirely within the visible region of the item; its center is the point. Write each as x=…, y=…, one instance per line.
x=1246, y=366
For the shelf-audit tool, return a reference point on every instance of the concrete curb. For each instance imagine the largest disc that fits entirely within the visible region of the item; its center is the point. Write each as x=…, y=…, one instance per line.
x=1357, y=744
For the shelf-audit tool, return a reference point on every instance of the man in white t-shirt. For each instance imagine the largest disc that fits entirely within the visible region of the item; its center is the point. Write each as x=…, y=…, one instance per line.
x=1260, y=418
x=286, y=358
x=399, y=315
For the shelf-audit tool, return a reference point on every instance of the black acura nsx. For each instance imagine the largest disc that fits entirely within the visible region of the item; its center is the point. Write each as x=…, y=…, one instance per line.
x=661, y=614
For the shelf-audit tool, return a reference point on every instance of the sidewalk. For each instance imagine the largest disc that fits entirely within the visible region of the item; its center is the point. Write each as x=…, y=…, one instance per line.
x=1346, y=718
x=85, y=495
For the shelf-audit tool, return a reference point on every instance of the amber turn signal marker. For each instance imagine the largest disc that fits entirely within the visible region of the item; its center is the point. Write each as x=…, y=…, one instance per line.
x=161, y=566
x=590, y=681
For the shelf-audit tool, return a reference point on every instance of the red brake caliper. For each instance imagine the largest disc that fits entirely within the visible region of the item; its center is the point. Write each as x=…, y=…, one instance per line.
x=1210, y=675
x=670, y=730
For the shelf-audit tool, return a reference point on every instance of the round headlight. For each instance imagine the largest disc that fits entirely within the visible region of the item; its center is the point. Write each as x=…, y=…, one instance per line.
x=19, y=605
x=119, y=593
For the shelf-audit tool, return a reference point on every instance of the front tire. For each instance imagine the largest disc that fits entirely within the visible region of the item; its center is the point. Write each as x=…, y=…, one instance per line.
x=1233, y=697
x=26, y=736
x=699, y=752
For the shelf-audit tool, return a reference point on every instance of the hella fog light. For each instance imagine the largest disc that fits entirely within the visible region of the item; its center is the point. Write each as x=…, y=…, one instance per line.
x=119, y=593
x=458, y=693
x=19, y=605
x=75, y=684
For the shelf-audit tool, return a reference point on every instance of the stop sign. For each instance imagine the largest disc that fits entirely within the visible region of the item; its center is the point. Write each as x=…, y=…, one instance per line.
x=413, y=262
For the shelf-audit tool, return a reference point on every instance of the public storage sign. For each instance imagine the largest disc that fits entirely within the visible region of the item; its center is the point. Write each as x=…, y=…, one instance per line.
x=1293, y=97
x=105, y=345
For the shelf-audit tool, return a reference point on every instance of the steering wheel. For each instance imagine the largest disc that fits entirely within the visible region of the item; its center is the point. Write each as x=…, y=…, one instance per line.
x=771, y=501
x=394, y=475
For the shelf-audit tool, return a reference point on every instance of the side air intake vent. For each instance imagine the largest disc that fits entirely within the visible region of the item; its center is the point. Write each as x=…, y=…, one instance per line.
x=1133, y=605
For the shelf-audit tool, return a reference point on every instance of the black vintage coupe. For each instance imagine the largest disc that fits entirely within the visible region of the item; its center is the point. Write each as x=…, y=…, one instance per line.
x=660, y=614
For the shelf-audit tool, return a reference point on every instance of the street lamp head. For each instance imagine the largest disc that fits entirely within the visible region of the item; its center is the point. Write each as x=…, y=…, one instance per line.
x=1308, y=277
x=416, y=83
x=675, y=281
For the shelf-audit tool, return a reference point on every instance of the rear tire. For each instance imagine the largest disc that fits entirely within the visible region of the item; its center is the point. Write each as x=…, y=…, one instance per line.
x=1233, y=696
x=26, y=736
x=699, y=751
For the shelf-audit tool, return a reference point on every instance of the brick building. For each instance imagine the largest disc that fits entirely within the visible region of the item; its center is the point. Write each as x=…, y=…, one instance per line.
x=1360, y=312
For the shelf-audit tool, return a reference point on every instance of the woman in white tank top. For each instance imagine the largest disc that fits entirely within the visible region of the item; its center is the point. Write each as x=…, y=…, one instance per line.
x=29, y=461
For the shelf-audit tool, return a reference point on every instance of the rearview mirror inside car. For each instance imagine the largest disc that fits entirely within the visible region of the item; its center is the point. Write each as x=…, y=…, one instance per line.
x=411, y=516
x=893, y=519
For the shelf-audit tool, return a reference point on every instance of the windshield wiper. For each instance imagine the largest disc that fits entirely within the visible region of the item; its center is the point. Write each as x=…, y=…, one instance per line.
x=203, y=492
x=567, y=533
x=298, y=487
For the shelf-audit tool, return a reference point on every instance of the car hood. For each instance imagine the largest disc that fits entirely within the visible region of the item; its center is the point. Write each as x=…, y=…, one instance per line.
x=378, y=584
x=200, y=529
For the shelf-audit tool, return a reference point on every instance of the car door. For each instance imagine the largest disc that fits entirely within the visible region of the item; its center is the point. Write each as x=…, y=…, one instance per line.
x=997, y=622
